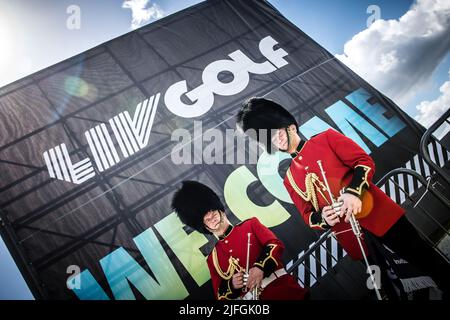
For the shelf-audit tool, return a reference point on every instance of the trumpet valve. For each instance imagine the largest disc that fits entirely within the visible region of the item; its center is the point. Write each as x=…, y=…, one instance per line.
x=337, y=206
x=245, y=278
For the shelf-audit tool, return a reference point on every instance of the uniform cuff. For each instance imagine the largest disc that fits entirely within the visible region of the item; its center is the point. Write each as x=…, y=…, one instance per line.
x=226, y=291
x=266, y=261
x=359, y=182
x=317, y=221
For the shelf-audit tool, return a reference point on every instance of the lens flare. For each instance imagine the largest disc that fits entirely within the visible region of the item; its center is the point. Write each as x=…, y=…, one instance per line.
x=76, y=86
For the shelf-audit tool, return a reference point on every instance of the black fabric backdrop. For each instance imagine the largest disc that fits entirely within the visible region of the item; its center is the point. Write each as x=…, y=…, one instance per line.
x=45, y=227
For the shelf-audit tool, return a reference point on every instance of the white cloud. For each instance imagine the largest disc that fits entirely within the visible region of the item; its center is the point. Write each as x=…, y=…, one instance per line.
x=14, y=64
x=430, y=111
x=399, y=56
x=141, y=15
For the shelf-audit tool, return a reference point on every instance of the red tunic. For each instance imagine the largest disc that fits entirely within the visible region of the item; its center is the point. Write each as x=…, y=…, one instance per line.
x=340, y=156
x=265, y=251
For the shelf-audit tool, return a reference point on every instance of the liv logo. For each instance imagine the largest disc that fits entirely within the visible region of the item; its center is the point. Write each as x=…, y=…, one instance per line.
x=132, y=135
x=239, y=65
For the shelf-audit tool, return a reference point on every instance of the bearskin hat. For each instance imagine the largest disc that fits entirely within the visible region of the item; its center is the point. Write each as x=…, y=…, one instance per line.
x=192, y=201
x=259, y=113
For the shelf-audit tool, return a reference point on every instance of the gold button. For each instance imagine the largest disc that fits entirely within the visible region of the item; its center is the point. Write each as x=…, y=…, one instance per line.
x=231, y=250
x=226, y=241
x=300, y=158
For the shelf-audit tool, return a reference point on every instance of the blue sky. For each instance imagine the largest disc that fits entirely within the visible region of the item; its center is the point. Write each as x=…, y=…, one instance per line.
x=332, y=23
x=34, y=36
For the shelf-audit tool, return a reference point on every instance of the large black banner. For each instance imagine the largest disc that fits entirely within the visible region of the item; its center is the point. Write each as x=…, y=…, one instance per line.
x=92, y=149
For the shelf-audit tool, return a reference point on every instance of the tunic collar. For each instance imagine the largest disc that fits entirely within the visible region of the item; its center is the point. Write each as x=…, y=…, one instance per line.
x=299, y=148
x=226, y=233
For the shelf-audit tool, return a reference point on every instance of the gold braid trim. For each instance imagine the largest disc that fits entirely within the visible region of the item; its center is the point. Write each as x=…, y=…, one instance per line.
x=321, y=224
x=269, y=256
x=233, y=265
x=225, y=296
x=321, y=188
x=311, y=187
x=360, y=189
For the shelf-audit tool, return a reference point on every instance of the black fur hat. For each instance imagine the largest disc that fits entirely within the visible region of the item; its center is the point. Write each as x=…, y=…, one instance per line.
x=259, y=113
x=192, y=201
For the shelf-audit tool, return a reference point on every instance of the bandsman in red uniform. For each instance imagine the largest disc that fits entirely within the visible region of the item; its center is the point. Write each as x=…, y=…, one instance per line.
x=201, y=209
x=349, y=171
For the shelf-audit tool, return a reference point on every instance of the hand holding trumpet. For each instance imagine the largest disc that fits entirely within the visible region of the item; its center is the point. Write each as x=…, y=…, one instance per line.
x=238, y=280
x=254, y=278
x=347, y=204
x=351, y=204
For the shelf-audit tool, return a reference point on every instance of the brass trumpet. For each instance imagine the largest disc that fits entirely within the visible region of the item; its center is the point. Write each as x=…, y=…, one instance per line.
x=356, y=228
x=255, y=291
